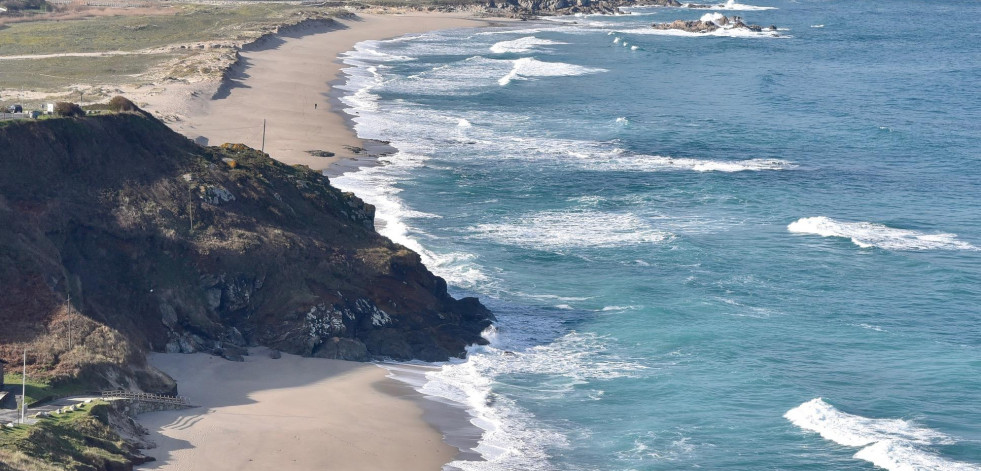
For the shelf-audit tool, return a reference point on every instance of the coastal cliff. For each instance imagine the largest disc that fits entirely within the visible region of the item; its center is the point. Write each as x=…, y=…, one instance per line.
x=163, y=245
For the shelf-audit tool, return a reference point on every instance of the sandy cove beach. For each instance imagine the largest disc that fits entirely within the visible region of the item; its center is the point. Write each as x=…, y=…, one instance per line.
x=293, y=413
x=290, y=413
x=285, y=80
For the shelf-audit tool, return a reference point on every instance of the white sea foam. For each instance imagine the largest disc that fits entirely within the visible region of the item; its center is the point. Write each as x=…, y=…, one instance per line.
x=618, y=308
x=872, y=327
x=869, y=234
x=714, y=17
x=527, y=67
x=521, y=45
x=553, y=296
x=817, y=26
x=476, y=74
x=368, y=50
x=562, y=230
x=512, y=438
x=893, y=444
x=654, y=163
x=605, y=156
x=733, y=5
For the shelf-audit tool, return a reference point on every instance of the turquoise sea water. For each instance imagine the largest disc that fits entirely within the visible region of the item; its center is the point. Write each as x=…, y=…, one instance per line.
x=731, y=251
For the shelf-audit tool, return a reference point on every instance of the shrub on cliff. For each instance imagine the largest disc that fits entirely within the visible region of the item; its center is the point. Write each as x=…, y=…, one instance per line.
x=68, y=110
x=119, y=104
x=18, y=5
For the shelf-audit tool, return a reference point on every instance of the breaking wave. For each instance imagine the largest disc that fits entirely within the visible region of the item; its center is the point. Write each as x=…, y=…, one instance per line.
x=661, y=163
x=868, y=234
x=525, y=44
x=893, y=444
x=559, y=230
x=512, y=437
x=527, y=67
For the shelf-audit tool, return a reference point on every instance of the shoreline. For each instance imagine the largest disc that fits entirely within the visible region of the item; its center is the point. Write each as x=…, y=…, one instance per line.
x=301, y=413
x=267, y=80
x=288, y=80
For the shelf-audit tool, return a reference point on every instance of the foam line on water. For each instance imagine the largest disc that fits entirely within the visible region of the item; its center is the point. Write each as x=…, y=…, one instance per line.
x=653, y=163
x=869, y=234
x=893, y=444
x=563, y=230
x=735, y=6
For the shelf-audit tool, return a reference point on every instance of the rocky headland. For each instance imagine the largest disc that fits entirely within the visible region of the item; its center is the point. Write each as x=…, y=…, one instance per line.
x=120, y=237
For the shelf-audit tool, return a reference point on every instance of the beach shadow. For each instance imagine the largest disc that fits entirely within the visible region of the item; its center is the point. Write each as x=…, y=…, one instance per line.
x=234, y=78
x=213, y=383
x=237, y=73
x=164, y=443
x=273, y=42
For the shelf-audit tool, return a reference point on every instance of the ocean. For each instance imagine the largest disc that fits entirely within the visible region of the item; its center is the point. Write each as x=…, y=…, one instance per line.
x=737, y=250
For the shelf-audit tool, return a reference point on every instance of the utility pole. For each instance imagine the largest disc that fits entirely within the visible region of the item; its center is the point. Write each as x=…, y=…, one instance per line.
x=23, y=389
x=263, y=136
x=69, y=321
x=190, y=208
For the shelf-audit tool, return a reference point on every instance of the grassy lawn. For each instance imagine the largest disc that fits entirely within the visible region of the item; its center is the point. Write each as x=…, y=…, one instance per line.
x=186, y=23
x=38, y=389
x=53, y=73
x=71, y=441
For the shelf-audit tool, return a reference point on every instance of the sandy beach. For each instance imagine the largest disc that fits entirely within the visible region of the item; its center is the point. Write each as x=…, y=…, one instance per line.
x=290, y=413
x=285, y=80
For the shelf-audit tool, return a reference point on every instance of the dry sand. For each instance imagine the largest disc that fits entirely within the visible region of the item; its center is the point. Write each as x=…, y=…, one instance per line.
x=280, y=80
x=290, y=413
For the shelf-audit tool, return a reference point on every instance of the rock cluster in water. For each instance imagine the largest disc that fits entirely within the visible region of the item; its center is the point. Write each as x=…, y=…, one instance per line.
x=708, y=25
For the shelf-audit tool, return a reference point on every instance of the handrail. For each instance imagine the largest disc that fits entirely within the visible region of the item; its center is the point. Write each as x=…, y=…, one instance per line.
x=146, y=397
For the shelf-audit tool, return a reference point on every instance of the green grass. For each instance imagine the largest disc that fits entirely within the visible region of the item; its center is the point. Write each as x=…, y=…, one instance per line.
x=131, y=33
x=71, y=441
x=53, y=73
x=38, y=389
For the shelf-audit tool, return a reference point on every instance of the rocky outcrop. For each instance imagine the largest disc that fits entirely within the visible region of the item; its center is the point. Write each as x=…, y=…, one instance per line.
x=164, y=245
x=710, y=23
x=528, y=8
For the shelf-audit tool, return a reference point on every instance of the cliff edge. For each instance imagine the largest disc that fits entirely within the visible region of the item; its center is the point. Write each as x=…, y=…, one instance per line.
x=119, y=236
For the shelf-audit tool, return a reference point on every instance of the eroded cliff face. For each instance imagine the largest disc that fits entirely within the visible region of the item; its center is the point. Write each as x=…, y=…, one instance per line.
x=167, y=246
